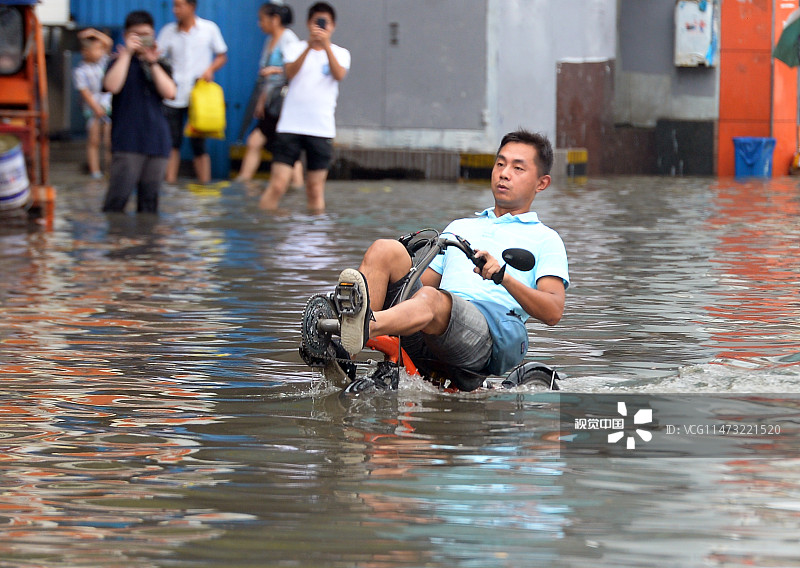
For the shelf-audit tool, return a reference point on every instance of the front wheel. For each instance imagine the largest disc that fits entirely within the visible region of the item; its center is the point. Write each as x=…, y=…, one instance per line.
x=534, y=376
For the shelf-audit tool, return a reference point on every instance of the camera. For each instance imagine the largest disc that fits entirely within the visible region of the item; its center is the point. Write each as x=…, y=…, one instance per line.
x=147, y=40
x=322, y=23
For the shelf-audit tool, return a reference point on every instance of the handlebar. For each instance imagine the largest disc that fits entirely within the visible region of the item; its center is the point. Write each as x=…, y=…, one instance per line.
x=438, y=244
x=466, y=248
x=478, y=261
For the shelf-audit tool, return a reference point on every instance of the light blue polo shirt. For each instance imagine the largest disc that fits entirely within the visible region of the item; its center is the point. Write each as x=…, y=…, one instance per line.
x=493, y=234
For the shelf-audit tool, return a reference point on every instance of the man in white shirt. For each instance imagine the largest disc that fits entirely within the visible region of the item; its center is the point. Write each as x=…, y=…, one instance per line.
x=314, y=69
x=196, y=50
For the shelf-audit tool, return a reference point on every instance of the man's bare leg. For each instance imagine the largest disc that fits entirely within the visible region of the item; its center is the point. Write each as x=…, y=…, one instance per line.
x=386, y=261
x=202, y=168
x=428, y=311
x=315, y=190
x=173, y=165
x=279, y=177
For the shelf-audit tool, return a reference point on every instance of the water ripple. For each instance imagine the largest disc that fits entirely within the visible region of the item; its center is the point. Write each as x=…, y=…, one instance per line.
x=154, y=409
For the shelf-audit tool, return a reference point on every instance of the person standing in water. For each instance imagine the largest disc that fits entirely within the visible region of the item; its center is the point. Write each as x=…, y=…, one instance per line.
x=307, y=123
x=140, y=141
x=273, y=20
x=195, y=49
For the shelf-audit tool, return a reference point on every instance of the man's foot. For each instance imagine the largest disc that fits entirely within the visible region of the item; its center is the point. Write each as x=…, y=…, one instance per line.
x=352, y=303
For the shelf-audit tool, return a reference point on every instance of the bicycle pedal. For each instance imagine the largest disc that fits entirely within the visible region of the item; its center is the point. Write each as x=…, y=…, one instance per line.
x=348, y=298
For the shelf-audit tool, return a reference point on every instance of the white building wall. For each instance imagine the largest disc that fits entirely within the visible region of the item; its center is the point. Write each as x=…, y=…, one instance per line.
x=648, y=85
x=525, y=40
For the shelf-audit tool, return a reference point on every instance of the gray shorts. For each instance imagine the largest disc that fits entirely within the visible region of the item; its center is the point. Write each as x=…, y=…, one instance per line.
x=466, y=343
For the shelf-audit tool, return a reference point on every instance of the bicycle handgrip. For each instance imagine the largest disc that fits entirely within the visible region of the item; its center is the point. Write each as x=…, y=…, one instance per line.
x=497, y=277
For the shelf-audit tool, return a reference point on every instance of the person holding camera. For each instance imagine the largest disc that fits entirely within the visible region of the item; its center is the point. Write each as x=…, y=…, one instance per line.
x=314, y=69
x=140, y=141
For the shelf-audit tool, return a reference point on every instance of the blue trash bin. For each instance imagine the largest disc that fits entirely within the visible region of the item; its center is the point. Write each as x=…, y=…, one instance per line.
x=753, y=156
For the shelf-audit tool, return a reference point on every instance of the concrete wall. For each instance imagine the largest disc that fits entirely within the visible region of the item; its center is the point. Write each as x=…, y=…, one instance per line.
x=648, y=86
x=463, y=72
x=528, y=39
x=418, y=77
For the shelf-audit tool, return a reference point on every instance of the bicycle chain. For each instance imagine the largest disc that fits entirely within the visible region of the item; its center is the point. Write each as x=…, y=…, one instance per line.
x=326, y=358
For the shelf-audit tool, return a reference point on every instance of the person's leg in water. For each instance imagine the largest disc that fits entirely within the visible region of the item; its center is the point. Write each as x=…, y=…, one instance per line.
x=297, y=174
x=201, y=160
x=315, y=190
x=124, y=175
x=286, y=150
x=252, y=156
x=175, y=118
x=319, y=153
x=279, y=177
x=94, y=129
x=428, y=310
x=152, y=175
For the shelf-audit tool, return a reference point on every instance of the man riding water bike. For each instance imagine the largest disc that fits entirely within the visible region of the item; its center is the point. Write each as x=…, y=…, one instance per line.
x=474, y=323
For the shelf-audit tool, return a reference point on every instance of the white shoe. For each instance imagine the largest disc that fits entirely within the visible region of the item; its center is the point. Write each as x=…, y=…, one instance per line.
x=352, y=303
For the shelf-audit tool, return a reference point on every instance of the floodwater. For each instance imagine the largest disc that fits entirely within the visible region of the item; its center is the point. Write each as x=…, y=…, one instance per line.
x=154, y=410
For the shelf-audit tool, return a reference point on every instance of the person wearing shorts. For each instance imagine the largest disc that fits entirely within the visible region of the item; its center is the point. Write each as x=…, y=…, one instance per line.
x=319, y=150
x=466, y=343
x=274, y=21
x=195, y=49
x=307, y=122
x=88, y=81
x=442, y=318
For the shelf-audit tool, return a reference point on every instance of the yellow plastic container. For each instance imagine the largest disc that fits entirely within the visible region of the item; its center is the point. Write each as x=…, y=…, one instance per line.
x=206, y=111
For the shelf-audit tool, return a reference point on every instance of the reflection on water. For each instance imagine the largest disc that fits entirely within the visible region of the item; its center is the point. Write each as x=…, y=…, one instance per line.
x=155, y=411
x=757, y=256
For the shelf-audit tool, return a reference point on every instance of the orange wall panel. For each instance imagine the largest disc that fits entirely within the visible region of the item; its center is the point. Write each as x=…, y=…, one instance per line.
x=745, y=85
x=785, y=134
x=784, y=92
x=746, y=24
x=758, y=95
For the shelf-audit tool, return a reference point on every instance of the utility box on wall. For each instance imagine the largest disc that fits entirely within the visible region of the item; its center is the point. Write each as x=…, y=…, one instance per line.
x=696, y=33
